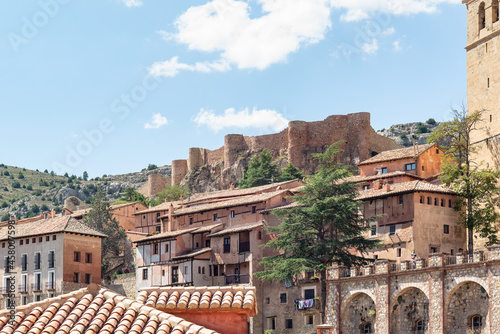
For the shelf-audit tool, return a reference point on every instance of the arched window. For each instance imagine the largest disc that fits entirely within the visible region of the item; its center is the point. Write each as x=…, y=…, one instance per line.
x=366, y=328
x=482, y=16
x=428, y=200
x=475, y=323
x=495, y=12
x=419, y=326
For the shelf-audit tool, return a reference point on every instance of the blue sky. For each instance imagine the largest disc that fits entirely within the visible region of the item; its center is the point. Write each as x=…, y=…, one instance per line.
x=110, y=86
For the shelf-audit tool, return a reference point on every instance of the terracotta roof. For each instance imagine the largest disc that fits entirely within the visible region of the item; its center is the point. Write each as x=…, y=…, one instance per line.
x=167, y=235
x=94, y=310
x=52, y=225
x=78, y=213
x=359, y=178
x=404, y=187
x=236, y=229
x=237, y=192
x=208, y=228
x=400, y=153
x=250, y=199
x=191, y=254
x=191, y=299
x=285, y=206
x=160, y=207
x=117, y=206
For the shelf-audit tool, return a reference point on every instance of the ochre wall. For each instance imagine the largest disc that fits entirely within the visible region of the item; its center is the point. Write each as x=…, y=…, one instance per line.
x=83, y=244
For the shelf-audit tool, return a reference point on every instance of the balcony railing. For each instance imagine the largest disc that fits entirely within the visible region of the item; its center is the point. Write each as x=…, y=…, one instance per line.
x=50, y=285
x=38, y=265
x=36, y=287
x=237, y=279
x=23, y=288
x=51, y=263
x=244, y=247
x=5, y=290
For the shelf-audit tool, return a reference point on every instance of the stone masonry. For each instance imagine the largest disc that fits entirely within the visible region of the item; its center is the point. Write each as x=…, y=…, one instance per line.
x=444, y=294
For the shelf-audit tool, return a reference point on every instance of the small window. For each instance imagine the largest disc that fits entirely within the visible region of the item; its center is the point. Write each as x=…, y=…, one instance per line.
x=410, y=167
x=215, y=217
x=21, y=242
x=76, y=256
x=442, y=202
x=366, y=187
x=166, y=248
x=399, y=252
x=88, y=257
x=33, y=240
x=199, y=270
x=435, y=201
x=310, y=320
x=282, y=298
x=54, y=237
x=367, y=328
x=434, y=250
x=40, y=239
x=421, y=199
x=47, y=238
x=207, y=243
x=158, y=228
x=384, y=170
x=185, y=270
x=227, y=245
x=400, y=199
x=190, y=220
x=446, y=229
x=203, y=270
x=419, y=326
x=76, y=277
x=232, y=214
x=423, y=169
x=156, y=248
x=158, y=217
x=145, y=274
x=88, y=278
x=288, y=323
x=268, y=300
x=392, y=229
x=428, y=200
x=27, y=241
x=373, y=230
x=216, y=270
x=452, y=252
x=449, y=203
x=309, y=294
x=491, y=118
x=259, y=235
x=38, y=297
x=3, y=244
x=254, y=209
x=477, y=322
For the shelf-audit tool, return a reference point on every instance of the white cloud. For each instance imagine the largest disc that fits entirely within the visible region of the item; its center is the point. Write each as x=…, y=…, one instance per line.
x=157, y=122
x=262, y=119
x=396, y=46
x=132, y=3
x=171, y=67
x=389, y=31
x=357, y=10
x=370, y=48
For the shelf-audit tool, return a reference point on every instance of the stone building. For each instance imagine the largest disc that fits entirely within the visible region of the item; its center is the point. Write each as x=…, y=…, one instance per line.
x=444, y=294
x=53, y=255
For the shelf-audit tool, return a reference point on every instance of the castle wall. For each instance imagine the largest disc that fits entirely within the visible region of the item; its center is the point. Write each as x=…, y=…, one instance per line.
x=179, y=170
x=443, y=294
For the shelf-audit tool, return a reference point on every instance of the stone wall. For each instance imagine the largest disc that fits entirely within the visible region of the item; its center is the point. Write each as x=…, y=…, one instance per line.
x=443, y=294
x=124, y=284
x=298, y=143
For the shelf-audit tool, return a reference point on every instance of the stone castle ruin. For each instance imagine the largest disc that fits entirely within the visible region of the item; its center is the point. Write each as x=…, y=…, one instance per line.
x=208, y=170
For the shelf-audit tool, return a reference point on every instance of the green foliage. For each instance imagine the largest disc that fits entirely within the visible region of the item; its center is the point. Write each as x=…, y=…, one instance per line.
x=44, y=208
x=5, y=217
x=290, y=172
x=46, y=171
x=422, y=128
x=5, y=189
x=431, y=121
x=4, y=205
x=172, y=193
x=20, y=176
x=403, y=136
x=85, y=176
x=131, y=195
x=152, y=167
x=100, y=219
x=16, y=185
x=29, y=187
x=475, y=185
x=6, y=173
x=260, y=171
x=323, y=229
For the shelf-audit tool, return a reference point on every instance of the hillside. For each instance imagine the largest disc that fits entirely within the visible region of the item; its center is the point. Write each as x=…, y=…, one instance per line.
x=26, y=193
x=402, y=133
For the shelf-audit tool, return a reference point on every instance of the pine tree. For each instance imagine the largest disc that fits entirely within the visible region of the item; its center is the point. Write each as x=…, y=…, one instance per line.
x=260, y=171
x=325, y=228
x=290, y=172
x=100, y=219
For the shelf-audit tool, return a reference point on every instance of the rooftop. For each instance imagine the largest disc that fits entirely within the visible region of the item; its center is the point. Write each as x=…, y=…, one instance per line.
x=242, y=228
x=404, y=187
x=400, y=153
x=359, y=178
x=191, y=254
x=94, y=310
x=160, y=207
x=48, y=226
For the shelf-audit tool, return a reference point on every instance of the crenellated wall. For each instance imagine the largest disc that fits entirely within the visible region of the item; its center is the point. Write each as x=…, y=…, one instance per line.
x=442, y=294
x=299, y=142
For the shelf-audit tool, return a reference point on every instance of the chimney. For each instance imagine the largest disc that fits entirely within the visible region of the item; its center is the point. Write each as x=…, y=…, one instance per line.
x=53, y=212
x=387, y=187
x=170, y=223
x=231, y=186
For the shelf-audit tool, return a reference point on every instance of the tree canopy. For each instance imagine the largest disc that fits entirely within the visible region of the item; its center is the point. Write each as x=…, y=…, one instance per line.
x=474, y=183
x=324, y=228
x=260, y=171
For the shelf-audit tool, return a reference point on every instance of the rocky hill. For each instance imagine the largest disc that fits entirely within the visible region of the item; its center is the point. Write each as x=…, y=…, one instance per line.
x=26, y=193
x=402, y=133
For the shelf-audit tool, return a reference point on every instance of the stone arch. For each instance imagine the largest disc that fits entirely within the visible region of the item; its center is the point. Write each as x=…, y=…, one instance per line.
x=358, y=313
x=410, y=306
x=466, y=300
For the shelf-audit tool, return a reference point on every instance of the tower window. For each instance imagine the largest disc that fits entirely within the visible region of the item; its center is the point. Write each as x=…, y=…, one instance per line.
x=494, y=6
x=491, y=118
x=482, y=17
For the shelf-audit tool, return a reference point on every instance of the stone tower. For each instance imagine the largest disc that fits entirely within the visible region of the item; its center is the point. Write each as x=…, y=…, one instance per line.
x=483, y=75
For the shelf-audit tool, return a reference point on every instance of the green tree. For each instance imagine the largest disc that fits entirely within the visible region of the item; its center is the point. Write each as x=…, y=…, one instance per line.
x=5, y=217
x=172, y=193
x=85, y=176
x=100, y=219
x=475, y=185
x=260, y=171
x=20, y=176
x=290, y=172
x=431, y=121
x=323, y=229
x=16, y=185
x=4, y=205
x=131, y=195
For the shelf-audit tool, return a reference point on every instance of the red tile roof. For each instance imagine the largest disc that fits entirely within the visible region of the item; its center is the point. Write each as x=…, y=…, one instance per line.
x=400, y=153
x=242, y=228
x=234, y=298
x=94, y=310
x=359, y=178
x=48, y=226
x=404, y=187
x=160, y=207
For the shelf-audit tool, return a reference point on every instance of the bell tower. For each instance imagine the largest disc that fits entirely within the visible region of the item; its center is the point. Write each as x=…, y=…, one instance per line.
x=483, y=75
